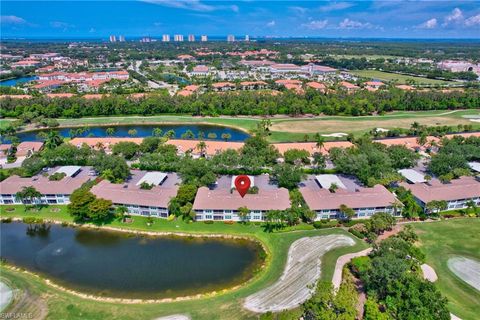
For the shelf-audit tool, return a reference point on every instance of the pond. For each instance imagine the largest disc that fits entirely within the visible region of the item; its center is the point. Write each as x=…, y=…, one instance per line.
x=115, y=264
x=141, y=131
x=16, y=81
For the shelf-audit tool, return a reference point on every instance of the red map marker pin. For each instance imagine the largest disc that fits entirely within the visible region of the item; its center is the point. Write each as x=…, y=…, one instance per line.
x=242, y=184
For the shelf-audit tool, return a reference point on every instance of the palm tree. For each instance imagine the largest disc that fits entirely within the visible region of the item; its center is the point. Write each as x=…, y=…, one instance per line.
x=53, y=140
x=99, y=146
x=169, y=134
x=212, y=135
x=347, y=212
x=226, y=136
x=110, y=131
x=395, y=206
x=202, y=147
x=28, y=195
x=157, y=132
x=244, y=213
x=320, y=142
x=333, y=187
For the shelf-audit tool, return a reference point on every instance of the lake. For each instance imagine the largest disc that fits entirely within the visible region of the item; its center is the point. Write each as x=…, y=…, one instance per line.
x=141, y=131
x=16, y=81
x=115, y=264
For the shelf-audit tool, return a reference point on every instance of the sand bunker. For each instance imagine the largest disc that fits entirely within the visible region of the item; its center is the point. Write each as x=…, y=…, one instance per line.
x=466, y=269
x=335, y=135
x=429, y=273
x=301, y=273
x=174, y=317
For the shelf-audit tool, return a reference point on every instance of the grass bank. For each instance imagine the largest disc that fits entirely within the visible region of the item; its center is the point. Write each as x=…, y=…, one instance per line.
x=221, y=306
x=400, y=78
x=288, y=129
x=441, y=241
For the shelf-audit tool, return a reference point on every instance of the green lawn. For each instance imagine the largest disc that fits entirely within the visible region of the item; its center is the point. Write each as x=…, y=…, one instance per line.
x=221, y=306
x=443, y=240
x=402, y=79
x=287, y=129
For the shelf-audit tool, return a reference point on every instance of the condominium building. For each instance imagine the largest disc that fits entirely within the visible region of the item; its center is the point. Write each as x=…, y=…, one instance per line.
x=457, y=193
x=54, y=191
x=326, y=200
x=191, y=38
x=113, y=38
x=247, y=38
x=204, y=38
x=144, y=193
x=230, y=38
x=121, y=38
x=166, y=38
x=222, y=201
x=178, y=38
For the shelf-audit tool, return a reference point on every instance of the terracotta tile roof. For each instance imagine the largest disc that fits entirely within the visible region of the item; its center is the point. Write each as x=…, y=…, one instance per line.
x=192, y=87
x=95, y=96
x=405, y=87
x=158, y=196
x=311, y=146
x=67, y=185
x=222, y=199
x=223, y=84
x=348, y=85
x=24, y=148
x=257, y=62
x=316, y=85
x=200, y=68
x=107, y=142
x=184, y=93
x=288, y=81
x=185, y=57
x=462, y=188
x=213, y=147
x=374, y=83
x=48, y=83
x=60, y=95
x=322, y=199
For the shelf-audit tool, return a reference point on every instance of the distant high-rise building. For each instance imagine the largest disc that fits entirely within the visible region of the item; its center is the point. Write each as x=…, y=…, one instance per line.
x=121, y=38
x=146, y=39
x=166, y=38
x=247, y=38
x=191, y=38
x=113, y=38
x=230, y=38
x=178, y=38
x=204, y=38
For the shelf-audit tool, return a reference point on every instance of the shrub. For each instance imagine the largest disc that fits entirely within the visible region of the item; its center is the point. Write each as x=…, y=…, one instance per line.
x=208, y=222
x=356, y=233
x=57, y=176
x=32, y=220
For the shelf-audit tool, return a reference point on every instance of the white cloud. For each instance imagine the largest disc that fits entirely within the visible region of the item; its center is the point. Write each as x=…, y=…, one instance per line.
x=335, y=6
x=455, y=16
x=351, y=24
x=193, y=5
x=473, y=21
x=298, y=10
x=12, y=20
x=429, y=24
x=61, y=25
x=271, y=24
x=315, y=24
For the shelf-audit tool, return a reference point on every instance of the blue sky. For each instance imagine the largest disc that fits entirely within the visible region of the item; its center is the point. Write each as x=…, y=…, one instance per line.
x=385, y=19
